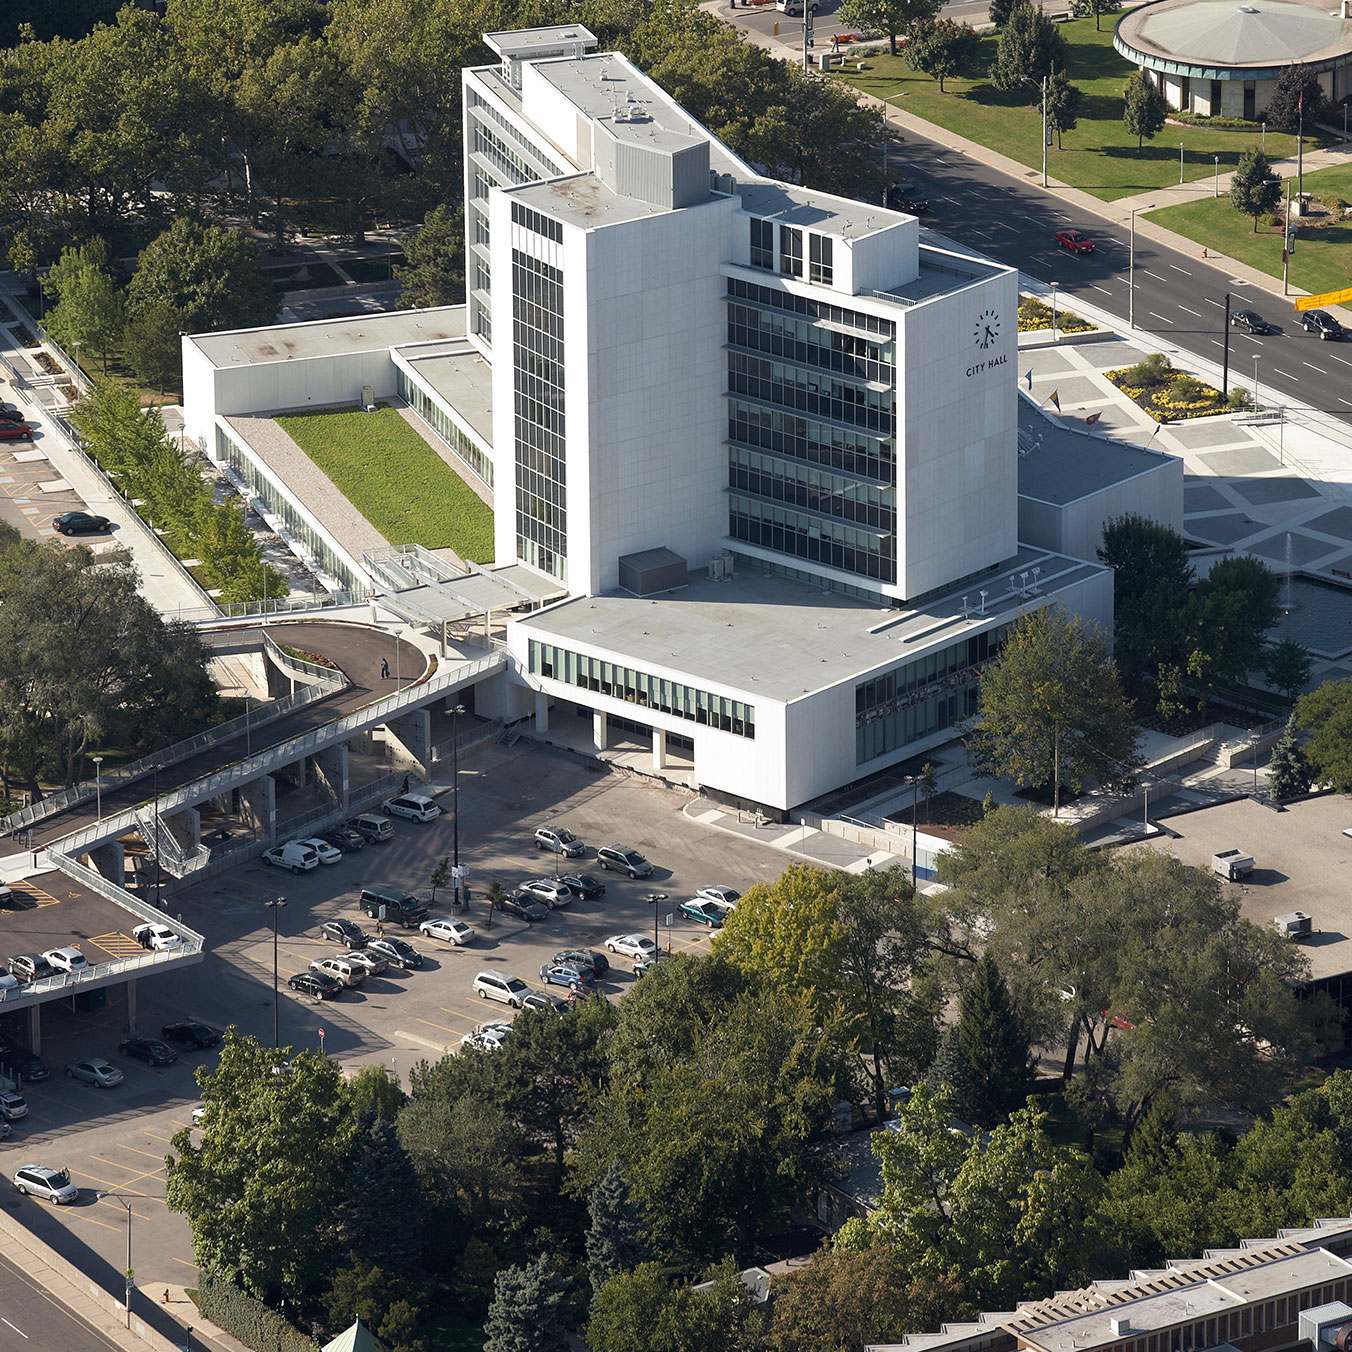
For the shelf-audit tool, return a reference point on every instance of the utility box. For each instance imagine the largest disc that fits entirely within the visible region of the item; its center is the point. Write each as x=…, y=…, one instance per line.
x=1296, y=925
x=1232, y=864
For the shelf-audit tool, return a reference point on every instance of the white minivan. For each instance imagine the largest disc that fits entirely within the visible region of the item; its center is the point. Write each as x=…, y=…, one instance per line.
x=292, y=855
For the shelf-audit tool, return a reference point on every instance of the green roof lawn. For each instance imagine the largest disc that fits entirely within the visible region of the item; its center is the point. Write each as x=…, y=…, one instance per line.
x=395, y=479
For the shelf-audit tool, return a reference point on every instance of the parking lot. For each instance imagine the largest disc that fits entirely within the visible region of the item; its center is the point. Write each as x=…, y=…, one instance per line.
x=115, y=1139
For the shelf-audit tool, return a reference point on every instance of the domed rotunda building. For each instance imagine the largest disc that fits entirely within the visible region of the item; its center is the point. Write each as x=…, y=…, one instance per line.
x=1222, y=58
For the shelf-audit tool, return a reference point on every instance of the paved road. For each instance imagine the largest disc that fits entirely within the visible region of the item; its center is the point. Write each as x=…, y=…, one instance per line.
x=1178, y=295
x=31, y=1317
x=356, y=650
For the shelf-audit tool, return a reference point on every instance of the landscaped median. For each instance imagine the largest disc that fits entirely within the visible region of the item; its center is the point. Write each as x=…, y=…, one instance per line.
x=1169, y=395
x=1035, y=316
x=395, y=479
x=1100, y=155
x=1323, y=257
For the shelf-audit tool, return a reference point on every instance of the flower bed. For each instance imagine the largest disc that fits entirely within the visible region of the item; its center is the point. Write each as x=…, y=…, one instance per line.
x=1168, y=395
x=48, y=363
x=1035, y=315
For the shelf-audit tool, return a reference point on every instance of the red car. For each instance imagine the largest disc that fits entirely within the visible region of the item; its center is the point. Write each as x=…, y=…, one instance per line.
x=1074, y=241
x=15, y=432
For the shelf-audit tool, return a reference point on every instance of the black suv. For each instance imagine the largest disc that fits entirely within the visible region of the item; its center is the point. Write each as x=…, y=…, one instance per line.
x=1322, y=323
x=191, y=1034
x=28, y=967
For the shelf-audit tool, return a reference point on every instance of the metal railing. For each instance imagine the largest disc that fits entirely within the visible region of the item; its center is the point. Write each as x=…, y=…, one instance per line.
x=476, y=737
x=170, y=755
x=284, y=752
x=299, y=666
x=284, y=605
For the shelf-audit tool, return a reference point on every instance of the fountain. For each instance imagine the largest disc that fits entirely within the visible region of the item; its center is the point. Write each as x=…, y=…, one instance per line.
x=1288, y=602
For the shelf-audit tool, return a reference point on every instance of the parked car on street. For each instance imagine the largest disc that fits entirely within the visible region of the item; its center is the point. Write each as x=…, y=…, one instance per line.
x=576, y=978
x=148, y=1049
x=581, y=957
x=348, y=973
x=345, y=838
x=95, y=1070
x=12, y=1106
x=373, y=828
x=68, y=959
x=559, y=840
x=328, y=854
x=366, y=961
x=415, y=807
x=10, y=431
x=293, y=855
x=28, y=967
x=191, y=1033
x=505, y=989
x=17, y=1060
x=545, y=1000
x=316, y=985
x=81, y=523
x=623, y=860
x=726, y=896
x=52, y=1185
x=487, y=1037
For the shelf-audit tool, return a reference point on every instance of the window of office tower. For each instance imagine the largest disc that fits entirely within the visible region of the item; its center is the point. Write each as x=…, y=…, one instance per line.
x=537, y=357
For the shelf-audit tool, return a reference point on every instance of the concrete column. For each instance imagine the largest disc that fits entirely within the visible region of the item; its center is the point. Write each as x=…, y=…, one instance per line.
x=35, y=1029
x=410, y=738
x=185, y=826
x=109, y=861
x=330, y=769
x=659, y=749
x=131, y=1005
x=599, y=731
x=541, y=711
x=258, y=807
x=444, y=627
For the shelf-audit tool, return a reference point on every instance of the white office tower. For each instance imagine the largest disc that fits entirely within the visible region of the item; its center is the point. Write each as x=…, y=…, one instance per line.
x=691, y=356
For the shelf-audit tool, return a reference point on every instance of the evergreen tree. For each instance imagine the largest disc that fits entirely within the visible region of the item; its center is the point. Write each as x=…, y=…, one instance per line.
x=951, y=1070
x=1288, y=667
x=379, y=1168
x=1254, y=187
x=994, y=1044
x=531, y=1310
x=1000, y=11
x=1288, y=776
x=615, y=1238
x=1146, y=110
x=1030, y=48
x=435, y=271
x=1298, y=97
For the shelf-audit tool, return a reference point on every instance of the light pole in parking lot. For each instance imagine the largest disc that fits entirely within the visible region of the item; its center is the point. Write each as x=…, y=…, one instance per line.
x=158, y=886
x=274, y=906
x=126, y=1205
x=98, y=785
x=657, y=898
x=455, y=798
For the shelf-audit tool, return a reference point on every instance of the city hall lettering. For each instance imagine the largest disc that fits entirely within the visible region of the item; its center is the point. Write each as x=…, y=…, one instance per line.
x=988, y=365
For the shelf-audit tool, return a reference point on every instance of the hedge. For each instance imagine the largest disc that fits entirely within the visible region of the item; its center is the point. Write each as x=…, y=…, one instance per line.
x=221, y=1300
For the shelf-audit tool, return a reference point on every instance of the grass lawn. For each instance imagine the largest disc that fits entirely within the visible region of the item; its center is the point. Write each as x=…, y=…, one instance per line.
x=1099, y=155
x=1323, y=257
x=395, y=479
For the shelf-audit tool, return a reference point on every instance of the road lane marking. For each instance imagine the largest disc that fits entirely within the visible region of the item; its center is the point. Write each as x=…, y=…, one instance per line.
x=17, y=1330
x=1160, y=317
x=1313, y=367
x=1184, y=271
x=168, y=1140
x=1216, y=303
x=1185, y=310
x=1155, y=275
x=1104, y=289
x=1287, y=374
x=1341, y=400
x=1342, y=361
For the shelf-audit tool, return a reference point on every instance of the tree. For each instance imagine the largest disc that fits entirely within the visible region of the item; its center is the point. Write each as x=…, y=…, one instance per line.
x=941, y=48
x=1152, y=578
x=441, y=875
x=615, y=1237
x=434, y=273
x=493, y=898
x=1298, y=97
x=951, y=1072
x=1064, y=102
x=1029, y=50
x=261, y=1189
x=888, y=16
x=375, y=1089
x=1145, y=110
x=532, y=1310
x=1288, y=776
x=209, y=275
x=1051, y=710
x=1326, y=715
x=646, y=1311
x=378, y=1169
x=1288, y=667
x=1227, y=618
x=88, y=309
x=1082, y=9
x=993, y=1044
x=929, y=783
x=845, y=1299
x=154, y=344
x=1254, y=187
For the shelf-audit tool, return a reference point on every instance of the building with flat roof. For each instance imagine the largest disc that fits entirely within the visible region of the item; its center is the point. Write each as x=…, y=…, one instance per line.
x=1224, y=60
x=766, y=439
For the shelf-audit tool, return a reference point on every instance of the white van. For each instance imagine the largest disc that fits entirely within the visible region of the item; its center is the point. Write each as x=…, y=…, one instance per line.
x=292, y=855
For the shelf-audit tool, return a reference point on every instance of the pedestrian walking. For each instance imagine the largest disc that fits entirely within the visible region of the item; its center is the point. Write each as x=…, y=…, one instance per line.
x=380, y=929
x=384, y=668
x=405, y=788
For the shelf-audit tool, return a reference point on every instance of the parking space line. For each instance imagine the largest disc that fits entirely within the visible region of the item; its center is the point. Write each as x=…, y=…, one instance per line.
x=146, y=1153
x=136, y=1214
x=90, y=1220
x=117, y=944
x=111, y=1183
x=430, y=1024
x=166, y=1139
x=185, y=1263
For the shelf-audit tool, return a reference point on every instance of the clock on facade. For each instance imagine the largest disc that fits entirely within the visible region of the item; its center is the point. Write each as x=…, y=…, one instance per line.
x=987, y=329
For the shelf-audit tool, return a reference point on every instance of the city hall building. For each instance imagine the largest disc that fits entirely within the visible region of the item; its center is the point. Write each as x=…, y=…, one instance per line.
x=765, y=438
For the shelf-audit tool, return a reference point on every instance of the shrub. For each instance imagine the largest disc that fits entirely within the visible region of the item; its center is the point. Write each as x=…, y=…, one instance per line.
x=1186, y=389
x=222, y=1301
x=1149, y=373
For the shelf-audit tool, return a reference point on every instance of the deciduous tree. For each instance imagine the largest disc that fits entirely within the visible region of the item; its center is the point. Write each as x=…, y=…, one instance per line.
x=435, y=271
x=941, y=48
x=1326, y=716
x=1145, y=110
x=88, y=311
x=1288, y=667
x=154, y=344
x=1064, y=102
x=888, y=16
x=1051, y=710
x=647, y=1311
x=1254, y=187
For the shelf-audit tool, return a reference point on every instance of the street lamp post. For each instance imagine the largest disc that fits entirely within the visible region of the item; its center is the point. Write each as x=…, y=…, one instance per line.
x=1054, y=286
x=657, y=898
x=1180, y=163
x=1217, y=192
x=455, y=795
x=77, y=359
x=98, y=785
x=274, y=906
x=126, y=1206
x=159, y=897
x=1255, y=378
